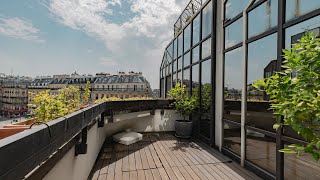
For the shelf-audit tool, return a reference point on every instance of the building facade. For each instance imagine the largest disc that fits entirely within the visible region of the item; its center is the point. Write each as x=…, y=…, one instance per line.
x=14, y=96
x=218, y=52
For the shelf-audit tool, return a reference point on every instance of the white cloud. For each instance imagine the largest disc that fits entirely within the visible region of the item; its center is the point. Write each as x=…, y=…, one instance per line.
x=137, y=43
x=108, y=62
x=19, y=29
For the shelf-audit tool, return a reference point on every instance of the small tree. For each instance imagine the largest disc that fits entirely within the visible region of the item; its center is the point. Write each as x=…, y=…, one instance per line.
x=295, y=94
x=86, y=95
x=183, y=104
x=70, y=97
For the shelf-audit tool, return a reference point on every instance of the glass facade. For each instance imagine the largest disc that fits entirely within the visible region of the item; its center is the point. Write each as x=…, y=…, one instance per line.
x=272, y=25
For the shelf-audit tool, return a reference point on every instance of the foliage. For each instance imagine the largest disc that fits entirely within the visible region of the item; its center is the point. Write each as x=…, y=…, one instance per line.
x=86, y=95
x=184, y=104
x=296, y=98
x=48, y=107
x=206, y=97
x=70, y=97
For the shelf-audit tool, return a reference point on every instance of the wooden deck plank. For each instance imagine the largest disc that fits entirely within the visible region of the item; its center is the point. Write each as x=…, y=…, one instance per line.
x=177, y=173
x=118, y=176
x=170, y=173
x=148, y=174
x=141, y=175
x=185, y=174
x=126, y=175
x=192, y=173
x=163, y=174
x=162, y=156
x=156, y=174
x=133, y=175
x=110, y=176
x=198, y=172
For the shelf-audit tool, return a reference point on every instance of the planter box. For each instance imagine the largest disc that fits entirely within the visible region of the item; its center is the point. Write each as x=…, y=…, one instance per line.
x=11, y=129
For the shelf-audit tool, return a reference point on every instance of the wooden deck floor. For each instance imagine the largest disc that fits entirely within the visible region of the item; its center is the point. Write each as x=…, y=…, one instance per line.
x=162, y=156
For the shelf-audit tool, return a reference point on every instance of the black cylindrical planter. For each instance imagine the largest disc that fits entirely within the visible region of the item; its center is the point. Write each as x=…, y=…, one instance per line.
x=183, y=128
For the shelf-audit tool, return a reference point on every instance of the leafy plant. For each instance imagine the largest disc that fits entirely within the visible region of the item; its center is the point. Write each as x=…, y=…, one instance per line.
x=70, y=97
x=295, y=94
x=184, y=104
x=86, y=95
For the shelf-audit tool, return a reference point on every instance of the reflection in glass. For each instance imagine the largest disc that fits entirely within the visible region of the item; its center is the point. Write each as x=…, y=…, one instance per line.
x=169, y=68
x=233, y=85
x=195, y=78
x=266, y=15
x=187, y=38
x=261, y=150
x=233, y=33
x=196, y=30
x=295, y=32
x=262, y=63
x=296, y=8
x=180, y=63
x=206, y=20
x=301, y=167
x=168, y=83
x=174, y=66
x=195, y=54
x=174, y=79
x=186, y=78
x=179, y=78
x=170, y=52
x=232, y=140
x=186, y=60
x=180, y=45
x=205, y=102
x=175, y=49
x=206, y=48
x=235, y=7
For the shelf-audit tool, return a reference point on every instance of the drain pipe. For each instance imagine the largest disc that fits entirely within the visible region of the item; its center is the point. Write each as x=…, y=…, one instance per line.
x=244, y=85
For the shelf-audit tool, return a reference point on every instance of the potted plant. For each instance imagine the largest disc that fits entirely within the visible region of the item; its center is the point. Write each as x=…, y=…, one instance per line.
x=295, y=94
x=185, y=106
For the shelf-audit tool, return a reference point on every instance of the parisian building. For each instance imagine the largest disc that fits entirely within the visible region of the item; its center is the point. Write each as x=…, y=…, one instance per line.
x=218, y=50
x=14, y=95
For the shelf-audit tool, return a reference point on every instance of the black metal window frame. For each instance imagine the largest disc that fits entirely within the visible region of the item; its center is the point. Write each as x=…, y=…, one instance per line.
x=282, y=25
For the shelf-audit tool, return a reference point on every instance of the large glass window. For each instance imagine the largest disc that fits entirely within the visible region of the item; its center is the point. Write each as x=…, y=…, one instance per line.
x=174, y=66
x=168, y=83
x=262, y=63
x=301, y=167
x=232, y=137
x=196, y=30
x=195, y=78
x=162, y=88
x=233, y=34
x=187, y=38
x=174, y=79
x=206, y=20
x=261, y=150
x=186, y=78
x=180, y=45
x=234, y=7
x=232, y=85
x=296, y=8
x=170, y=52
x=179, y=78
x=186, y=60
x=206, y=48
x=206, y=90
x=175, y=49
x=180, y=63
x=295, y=32
x=267, y=16
x=195, y=54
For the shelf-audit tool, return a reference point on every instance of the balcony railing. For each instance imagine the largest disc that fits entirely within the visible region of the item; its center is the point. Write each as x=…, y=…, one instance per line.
x=45, y=145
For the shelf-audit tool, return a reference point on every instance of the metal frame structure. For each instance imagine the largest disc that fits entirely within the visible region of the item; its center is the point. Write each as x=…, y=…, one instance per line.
x=279, y=29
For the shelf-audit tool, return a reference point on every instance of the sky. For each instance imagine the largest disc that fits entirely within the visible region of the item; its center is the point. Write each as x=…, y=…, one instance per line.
x=47, y=37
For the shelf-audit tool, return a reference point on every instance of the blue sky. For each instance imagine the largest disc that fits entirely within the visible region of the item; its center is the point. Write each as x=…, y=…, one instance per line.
x=46, y=37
